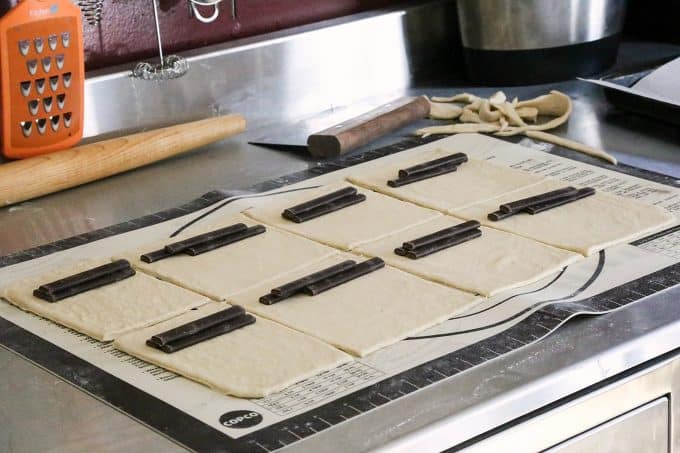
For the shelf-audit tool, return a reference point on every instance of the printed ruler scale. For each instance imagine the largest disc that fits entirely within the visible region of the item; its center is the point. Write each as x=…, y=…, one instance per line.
x=196, y=435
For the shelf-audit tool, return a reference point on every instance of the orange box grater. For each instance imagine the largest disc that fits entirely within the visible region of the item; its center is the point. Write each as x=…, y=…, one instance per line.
x=42, y=77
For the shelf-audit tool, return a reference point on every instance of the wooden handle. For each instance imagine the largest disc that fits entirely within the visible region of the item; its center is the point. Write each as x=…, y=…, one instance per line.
x=358, y=131
x=29, y=178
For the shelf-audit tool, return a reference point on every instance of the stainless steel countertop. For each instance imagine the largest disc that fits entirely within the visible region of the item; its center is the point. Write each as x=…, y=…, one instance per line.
x=40, y=412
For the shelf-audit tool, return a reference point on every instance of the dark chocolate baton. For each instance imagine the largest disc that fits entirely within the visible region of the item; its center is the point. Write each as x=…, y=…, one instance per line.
x=441, y=234
x=519, y=205
x=225, y=240
x=90, y=274
x=581, y=193
x=156, y=255
x=319, y=201
x=196, y=326
x=83, y=286
x=211, y=236
x=453, y=159
x=443, y=244
x=499, y=215
x=206, y=334
x=357, y=271
x=437, y=171
x=328, y=208
x=296, y=285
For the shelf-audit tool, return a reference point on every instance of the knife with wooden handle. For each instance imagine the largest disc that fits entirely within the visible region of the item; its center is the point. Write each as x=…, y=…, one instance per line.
x=36, y=176
x=365, y=128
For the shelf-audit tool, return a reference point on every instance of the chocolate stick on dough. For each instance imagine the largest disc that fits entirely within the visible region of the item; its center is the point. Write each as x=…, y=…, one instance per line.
x=453, y=159
x=517, y=206
x=445, y=243
x=100, y=279
x=207, y=334
x=441, y=234
x=357, y=271
x=177, y=247
x=196, y=326
x=224, y=240
x=319, y=201
x=581, y=193
x=327, y=208
x=437, y=171
x=296, y=285
x=90, y=274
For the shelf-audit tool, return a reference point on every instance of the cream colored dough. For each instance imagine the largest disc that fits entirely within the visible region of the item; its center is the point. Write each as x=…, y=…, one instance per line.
x=365, y=314
x=473, y=182
x=372, y=219
x=585, y=226
x=235, y=267
x=495, y=262
x=108, y=311
x=250, y=362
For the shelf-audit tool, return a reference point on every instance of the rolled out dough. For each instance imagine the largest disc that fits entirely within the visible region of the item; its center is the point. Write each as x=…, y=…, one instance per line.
x=365, y=314
x=108, y=311
x=372, y=219
x=585, y=226
x=474, y=181
x=235, y=267
x=495, y=262
x=251, y=362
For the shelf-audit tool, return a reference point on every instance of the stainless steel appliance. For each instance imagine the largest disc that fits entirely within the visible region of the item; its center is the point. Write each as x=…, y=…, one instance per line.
x=533, y=41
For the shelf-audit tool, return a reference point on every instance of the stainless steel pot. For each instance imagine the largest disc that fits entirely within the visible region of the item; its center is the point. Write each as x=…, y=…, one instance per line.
x=529, y=41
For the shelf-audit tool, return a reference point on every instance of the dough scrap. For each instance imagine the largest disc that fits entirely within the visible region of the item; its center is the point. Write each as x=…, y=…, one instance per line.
x=109, y=311
x=511, y=115
x=469, y=116
x=486, y=115
x=251, y=362
x=443, y=111
x=585, y=226
x=497, y=115
x=497, y=98
x=466, y=98
x=235, y=267
x=528, y=113
x=365, y=314
x=372, y=219
x=473, y=182
x=495, y=262
x=581, y=147
x=459, y=128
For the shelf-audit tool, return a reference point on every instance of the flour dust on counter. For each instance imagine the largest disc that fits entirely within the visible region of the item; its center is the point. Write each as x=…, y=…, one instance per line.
x=473, y=181
x=364, y=314
x=227, y=270
x=377, y=216
x=250, y=362
x=492, y=263
x=108, y=311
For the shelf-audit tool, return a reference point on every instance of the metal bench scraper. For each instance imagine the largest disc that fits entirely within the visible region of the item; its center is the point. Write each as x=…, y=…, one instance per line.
x=337, y=131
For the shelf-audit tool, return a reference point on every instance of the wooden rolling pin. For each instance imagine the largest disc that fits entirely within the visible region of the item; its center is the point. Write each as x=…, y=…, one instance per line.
x=40, y=175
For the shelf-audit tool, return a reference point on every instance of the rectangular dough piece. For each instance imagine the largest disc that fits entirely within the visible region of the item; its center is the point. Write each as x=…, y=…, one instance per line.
x=234, y=267
x=585, y=226
x=495, y=262
x=365, y=314
x=108, y=311
x=251, y=362
x=377, y=216
x=474, y=181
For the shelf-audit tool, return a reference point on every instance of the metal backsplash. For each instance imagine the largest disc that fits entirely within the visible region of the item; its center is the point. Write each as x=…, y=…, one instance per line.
x=283, y=74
